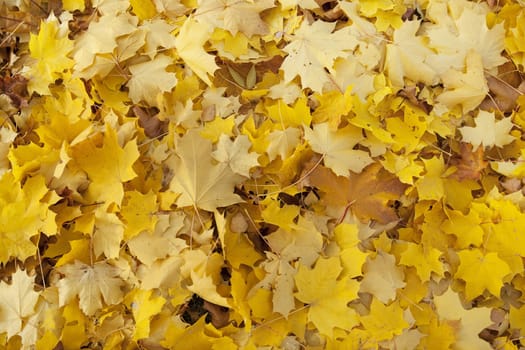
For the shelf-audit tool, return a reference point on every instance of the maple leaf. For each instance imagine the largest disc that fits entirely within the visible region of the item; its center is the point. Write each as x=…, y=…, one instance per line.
x=384, y=321
x=31, y=203
x=328, y=300
x=471, y=322
x=138, y=212
x=107, y=166
x=17, y=302
x=91, y=284
x=189, y=44
x=108, y=232
x=312, y=49
x=144, y=305
x=424, y=259
x=470, y=33
x=148, y=79
x=366, y=194
x=488, y=132
x=158, y=34
x=481, y=271
x=282, y=215
x=337, y=148
x=50, y=47
x=406, y=56
x=149, y=247
x=280, y=279
x=470, y=164
x=303, y=241
x=234, y=15
x=467, y=228
x=201, y=183
x=282, y=142
x=100, y=39
x=382, y=277
x=352, y=258
x=295, y=116
x=467, y=89
x=236, y=154
x=431, y=185
x=204, y=286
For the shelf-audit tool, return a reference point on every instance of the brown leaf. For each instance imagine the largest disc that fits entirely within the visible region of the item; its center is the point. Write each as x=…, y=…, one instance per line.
x=366, y=194
x=505, y=88
x=470, y=164
x=220, y=315
x=148, y=120
x=15, y=87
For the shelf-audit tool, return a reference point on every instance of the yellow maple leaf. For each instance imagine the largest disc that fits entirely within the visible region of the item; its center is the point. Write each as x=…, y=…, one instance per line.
x=17, y=302
x=382, y=277
x=288, y=116
x=158, y=34
x=313, y=48
x=74, y=330
x=201, y=183
x=406, y=56
x=93, y=48
x=234, y=15
x=280, y=279
x=468, y=88
x=517, y=318
x=303, y=241
x=481, y=272
x=51, y=48
x=138, y=212
x=144, y=305
x=438, y=335
x=336, y=146
x=468, y=32
x=466, y=228
x=328, y=297
x=488, y=131
x=189, y=44
x=214, y=129
x=352, y=258
x=275, y=213
x=504, y=233
x=384, y=321
x=332, y=106
x=407, y=132
x=471, y=322
x=431, y=185
x=204, y=286
x=424, y=259
x=150, y=78
x=513, y=44
x=236, y=154
x=107, y=166
x=31, y=205
x=91, y=284
x=240, y=250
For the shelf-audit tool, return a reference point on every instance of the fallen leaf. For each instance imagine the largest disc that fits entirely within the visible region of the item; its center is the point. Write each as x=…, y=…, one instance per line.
x=382, y=277
x=91, y=284
x=469, y=164
x=201, y=183
x=366, y=194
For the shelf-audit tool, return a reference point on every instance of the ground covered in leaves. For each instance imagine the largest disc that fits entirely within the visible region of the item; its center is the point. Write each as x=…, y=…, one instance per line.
x=262, y=174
